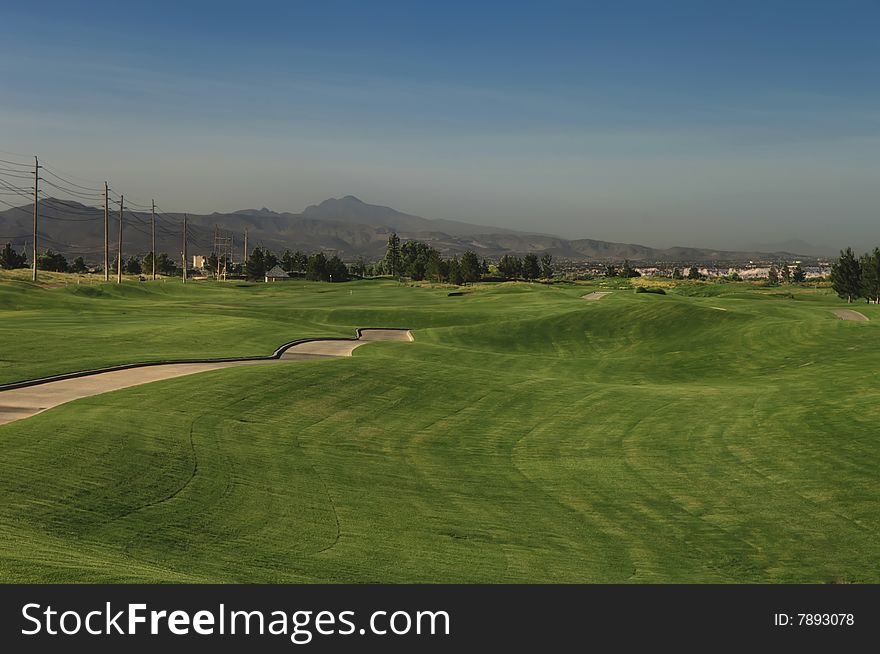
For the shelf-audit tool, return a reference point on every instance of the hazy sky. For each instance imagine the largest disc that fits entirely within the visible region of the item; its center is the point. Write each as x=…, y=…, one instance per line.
x=696, y=123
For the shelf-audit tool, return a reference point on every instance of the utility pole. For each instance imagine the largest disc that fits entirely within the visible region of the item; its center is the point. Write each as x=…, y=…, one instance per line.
x=217, y=250
x=184, y=249
x=106, y=234
x=153, y=229
x=36, y=211
x=119, y=253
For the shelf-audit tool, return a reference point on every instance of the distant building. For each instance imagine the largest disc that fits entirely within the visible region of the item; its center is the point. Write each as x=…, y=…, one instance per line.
x=276, y=274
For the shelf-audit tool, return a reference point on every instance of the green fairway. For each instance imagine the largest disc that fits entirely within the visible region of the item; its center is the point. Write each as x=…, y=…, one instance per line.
x=719, y=433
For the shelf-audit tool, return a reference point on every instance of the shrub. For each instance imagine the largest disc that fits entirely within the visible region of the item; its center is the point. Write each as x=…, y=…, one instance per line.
x=656, y=291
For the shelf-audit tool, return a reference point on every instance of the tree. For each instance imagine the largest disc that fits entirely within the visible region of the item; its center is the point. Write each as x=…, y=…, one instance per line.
x=415, y=269
x=510, y=266
x=436, y=269
x=52, y=261
x=79, y=265
x=530, y=268
x=255, y=269
x=628, y=270
x=287, y=261
x=133, y=266
x=337, y=270
x=846, y=276
x=211, y=263
x=785, y=272
x=300, y=261
x=392, y=255
x=547, y=265
x=798, y=276
x=676, y=273
x=694, y=273
x=317, y=269
x=773, y=275
x=470, y=267
x=611, y=270
x=269, y=260
x=870, y=275
x=454, y=275
x=293, y=262
x=414, y=257
x=10, y=259
x=165, y=266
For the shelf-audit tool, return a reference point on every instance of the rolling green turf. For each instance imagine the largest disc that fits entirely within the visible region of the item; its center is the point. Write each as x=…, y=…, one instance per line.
x=721, y=433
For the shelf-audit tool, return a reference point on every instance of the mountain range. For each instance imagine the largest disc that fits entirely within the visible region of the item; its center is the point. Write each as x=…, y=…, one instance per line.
x=345, y=226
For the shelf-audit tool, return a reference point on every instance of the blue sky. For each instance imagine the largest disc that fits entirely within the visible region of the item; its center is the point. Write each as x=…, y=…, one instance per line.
x=701, y=123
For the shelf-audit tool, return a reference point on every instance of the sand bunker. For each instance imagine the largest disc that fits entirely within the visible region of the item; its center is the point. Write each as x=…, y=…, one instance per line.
x=18, y=403
x=596, y=295
x=849, y=314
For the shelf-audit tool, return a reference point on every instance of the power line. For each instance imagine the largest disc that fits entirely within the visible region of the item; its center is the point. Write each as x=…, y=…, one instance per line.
x=70, y=183
x=79, y=194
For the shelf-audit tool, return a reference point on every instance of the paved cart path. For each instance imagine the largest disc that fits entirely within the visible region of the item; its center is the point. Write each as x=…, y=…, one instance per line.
x=18, y=403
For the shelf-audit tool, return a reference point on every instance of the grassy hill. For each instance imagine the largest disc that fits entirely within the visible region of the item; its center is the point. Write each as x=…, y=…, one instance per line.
x=719, y=433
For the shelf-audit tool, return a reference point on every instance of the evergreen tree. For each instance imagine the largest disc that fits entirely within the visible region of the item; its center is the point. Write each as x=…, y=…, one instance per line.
x=165, y=266
x=530, y=267
x=147, y=264
x=547, y=265
x=611, y=270
x=300, y=261
x=798, y=276
x=676, y=273
x=846, y=276
x=392, y=256
x=870, y=275
x=454, y=275
x=694, y=273
x=785, y=273
x=470, y=267
x=10, y=259
x=773, y=275
x=435, y=268
x=287, y=261
x=132, y=266
x=52, y=261
x=269, y=260
x=255, y=269
x=212, y=262
x=416, y=269
x=337, y=270
x=628, y=271
x=510, y=266
x=317, y=269
x=79, y=265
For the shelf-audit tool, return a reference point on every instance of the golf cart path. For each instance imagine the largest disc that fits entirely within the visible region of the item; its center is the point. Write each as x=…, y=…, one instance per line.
x=849, y=314
x=30, y=398
x=595, y=295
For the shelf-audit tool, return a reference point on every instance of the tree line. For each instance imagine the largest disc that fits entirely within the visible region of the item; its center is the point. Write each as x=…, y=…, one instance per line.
x=49, y=261
x=316, y=267
x=419, y=261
